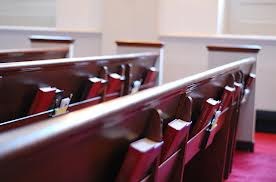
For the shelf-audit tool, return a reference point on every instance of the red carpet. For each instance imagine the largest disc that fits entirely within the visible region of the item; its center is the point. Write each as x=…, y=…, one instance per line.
x=259, y=166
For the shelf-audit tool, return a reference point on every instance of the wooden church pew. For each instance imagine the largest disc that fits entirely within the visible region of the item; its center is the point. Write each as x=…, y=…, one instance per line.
x=31, y=54
x=42, y=47
x=96, y=143
x=225, y=53
x=21, y=82
x=244, y=130
x=131, y=46
x=46, y=41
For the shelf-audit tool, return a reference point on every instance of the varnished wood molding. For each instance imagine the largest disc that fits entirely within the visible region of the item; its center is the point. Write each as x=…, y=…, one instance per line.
x=53, y=39
x=235, y=48
x=140, y=43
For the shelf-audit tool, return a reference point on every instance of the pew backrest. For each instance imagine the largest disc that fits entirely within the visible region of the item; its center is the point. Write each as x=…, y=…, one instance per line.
x=20, y=81
x=131, y=46
x=32, y=54
x=226, y=53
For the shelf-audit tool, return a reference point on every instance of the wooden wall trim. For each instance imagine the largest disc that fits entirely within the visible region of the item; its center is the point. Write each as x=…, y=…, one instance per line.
x=235, y=48
x=53, y=39
x=140, y=43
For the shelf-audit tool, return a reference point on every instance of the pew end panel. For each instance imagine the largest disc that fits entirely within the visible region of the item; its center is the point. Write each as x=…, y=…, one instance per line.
x=227, y=53
x=44, y=41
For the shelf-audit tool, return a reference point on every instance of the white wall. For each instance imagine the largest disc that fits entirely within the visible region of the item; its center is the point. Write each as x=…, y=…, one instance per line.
x=188, y=16
x=28, y=12
x=79, y=15
x=218, y=16
x=62, y=14
x=183, y=57
x=124, y=19
x=86, y=44
x=252, y=17
x=136, y=19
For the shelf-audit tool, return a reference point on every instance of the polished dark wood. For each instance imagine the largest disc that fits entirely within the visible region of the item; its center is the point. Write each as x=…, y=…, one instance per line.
x=131, y=43
x=19, y=82
x=16, y=55
x=51, y=39
x=239, y=78
x=90, y=144
x=235, y=48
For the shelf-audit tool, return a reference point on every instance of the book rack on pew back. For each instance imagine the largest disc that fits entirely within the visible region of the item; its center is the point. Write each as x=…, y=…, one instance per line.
x=96, y=143
x=103, y=77
x=32, y=54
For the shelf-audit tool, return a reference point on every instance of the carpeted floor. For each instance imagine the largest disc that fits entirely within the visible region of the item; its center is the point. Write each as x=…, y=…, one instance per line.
x=259, y=166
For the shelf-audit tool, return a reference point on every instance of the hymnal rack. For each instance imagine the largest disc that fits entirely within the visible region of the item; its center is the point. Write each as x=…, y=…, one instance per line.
x=97, y=144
